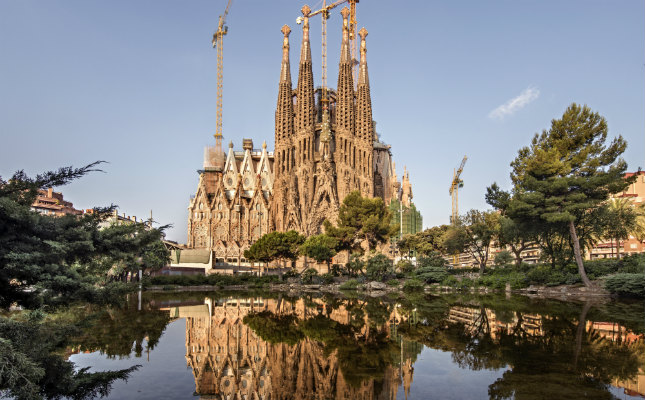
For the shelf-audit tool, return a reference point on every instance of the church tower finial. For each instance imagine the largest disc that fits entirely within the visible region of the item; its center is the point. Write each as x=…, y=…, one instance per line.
x=285, y=72
x=345, y=54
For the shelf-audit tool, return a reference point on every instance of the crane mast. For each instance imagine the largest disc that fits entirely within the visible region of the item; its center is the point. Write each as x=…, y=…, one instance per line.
x=218, y=44
x=454, y=191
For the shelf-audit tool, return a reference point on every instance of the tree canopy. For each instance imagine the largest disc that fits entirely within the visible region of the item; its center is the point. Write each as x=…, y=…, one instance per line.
x=361, y=220
x=564, y=176
x=276, y=246
x=321, y=248
x=474, y=233
x=48, y=260
x=425, y=242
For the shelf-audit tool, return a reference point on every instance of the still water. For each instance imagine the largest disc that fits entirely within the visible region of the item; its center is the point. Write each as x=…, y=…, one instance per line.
x=272, y=346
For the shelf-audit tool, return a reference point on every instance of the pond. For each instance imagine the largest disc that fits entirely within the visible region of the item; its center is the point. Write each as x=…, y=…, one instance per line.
x=254, y=345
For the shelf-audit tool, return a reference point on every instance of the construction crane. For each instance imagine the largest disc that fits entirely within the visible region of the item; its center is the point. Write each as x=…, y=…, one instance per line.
x=218, y=44
x=454, y=191
x=324, y=11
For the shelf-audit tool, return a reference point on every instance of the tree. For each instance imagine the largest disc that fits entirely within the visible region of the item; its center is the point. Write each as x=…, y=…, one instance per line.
x=431, y=268
x=361, y=220
x=378, y=267
x=566, y=174
x=425, y=242
x=280, y=246
x=502, y=258
x=321, y=248
x=47, y=260
x=516, y=234
x=473, y=234
x=622, y=220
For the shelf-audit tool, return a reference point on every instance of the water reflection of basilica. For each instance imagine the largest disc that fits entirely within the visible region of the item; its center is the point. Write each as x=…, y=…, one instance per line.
x=229, y=361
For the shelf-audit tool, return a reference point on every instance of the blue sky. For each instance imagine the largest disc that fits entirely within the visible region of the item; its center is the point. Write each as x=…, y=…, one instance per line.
x=134, y=83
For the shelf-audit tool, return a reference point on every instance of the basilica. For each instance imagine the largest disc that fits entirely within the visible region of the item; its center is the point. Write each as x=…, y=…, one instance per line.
x=326, y=146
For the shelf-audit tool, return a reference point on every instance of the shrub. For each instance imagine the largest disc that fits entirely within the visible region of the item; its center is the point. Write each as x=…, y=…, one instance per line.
x=393, y=282
x=351, y=284
x=450, y=280
x=633, y=263
x=291, y=274
x=432, y=274
x=327, y=278
x=434, y=259
x=628, y=285
x=378, y=267
x=412, y=285
x=539, y=275
x=309, y=276
x=405, y=266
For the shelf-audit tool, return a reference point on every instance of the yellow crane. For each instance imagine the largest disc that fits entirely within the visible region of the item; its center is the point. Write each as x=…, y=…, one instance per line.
x=454, y=191
x=218, y=44
x=324, y=11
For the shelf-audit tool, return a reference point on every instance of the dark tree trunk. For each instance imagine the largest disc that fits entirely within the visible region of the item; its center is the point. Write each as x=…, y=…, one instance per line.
x=618, y=248
x=578, y=254
x=582, y=320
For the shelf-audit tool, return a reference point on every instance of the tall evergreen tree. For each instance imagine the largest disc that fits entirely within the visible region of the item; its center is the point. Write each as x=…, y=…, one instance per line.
x=566, y=174
x=361, y=220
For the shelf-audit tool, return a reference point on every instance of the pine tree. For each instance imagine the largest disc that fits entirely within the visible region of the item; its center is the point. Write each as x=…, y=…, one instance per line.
x=566, y=174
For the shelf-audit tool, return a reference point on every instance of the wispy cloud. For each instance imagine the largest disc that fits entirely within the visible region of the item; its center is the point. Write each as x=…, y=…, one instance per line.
x=514, y=104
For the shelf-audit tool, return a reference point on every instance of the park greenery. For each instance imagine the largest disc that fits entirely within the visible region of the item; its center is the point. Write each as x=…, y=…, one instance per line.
x=48, y=263
x=560, y=204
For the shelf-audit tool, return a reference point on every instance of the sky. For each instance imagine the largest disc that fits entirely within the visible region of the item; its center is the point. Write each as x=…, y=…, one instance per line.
x=133, y=83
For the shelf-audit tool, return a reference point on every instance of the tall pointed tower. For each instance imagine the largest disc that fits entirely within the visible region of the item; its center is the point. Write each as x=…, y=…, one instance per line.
x=345, y=148
x=305, y=119
x=284, y=148
x=364, y=125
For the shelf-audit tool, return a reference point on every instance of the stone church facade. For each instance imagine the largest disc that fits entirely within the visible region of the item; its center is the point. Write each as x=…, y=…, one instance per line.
x=326, y=146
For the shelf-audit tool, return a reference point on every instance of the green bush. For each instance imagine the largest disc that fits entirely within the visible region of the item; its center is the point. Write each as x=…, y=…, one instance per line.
x=431, y=269
x=351, y=284
x=291, y=274
x=431, y=274
x=405, y=266
x=539, y=275
x=327, y=278
x=309, y=276
x=412, y=285
x=212, y=279
x=434, y=259
x=393, y=282
x=450, y=280
x=628, y=285
x=378, y=268
x=632, y=264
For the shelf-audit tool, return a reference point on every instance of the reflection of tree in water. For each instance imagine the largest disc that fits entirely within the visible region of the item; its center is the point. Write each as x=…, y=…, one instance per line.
x=554, y=355
x=33, y=360
x=115, y=331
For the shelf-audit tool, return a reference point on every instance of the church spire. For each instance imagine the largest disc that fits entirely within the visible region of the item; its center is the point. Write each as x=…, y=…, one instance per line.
x=285, y=71
x=305, y=106
x=364, y=123
x=284, y=109
x=345, y=105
